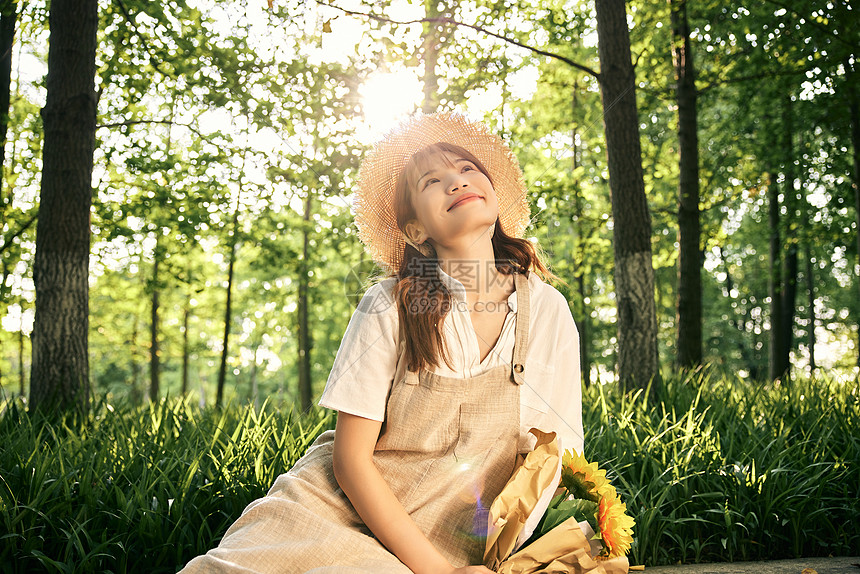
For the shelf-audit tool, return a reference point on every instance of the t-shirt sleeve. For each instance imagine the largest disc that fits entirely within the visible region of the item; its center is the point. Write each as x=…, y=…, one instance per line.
x=566, y=412
x=363, y=370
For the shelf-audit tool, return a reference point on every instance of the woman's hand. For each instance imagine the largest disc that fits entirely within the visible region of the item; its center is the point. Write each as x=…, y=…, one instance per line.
x=472, y=570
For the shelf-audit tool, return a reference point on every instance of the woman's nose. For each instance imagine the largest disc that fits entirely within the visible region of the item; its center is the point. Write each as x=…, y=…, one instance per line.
x=458, y=182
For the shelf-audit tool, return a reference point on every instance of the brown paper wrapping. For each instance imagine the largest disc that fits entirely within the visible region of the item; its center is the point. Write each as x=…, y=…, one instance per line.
x=511, y=509
x=564, y=549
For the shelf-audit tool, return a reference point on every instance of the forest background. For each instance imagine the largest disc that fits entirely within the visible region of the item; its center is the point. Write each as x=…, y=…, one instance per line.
x=176, y=231
x=224, y=262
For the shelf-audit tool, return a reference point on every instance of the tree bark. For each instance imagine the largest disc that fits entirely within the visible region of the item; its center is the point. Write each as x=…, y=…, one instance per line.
x=854, y=113
x=634, y=272
x=59, y=376
x=775, y=280
x=810, y=290
x=304, y=350
x=789, y=303
x=8, y=21
x=790, y=269
x=579, y=246
x=185, y=348
x=228, y=308
x=154, y=351
x=22, y=379
x=584, y=333
x=136, y=391
x=689, y=305
x=430, y=54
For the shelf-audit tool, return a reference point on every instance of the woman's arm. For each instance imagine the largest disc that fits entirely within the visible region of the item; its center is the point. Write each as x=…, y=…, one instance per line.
x=566, y=401
x=361, y=481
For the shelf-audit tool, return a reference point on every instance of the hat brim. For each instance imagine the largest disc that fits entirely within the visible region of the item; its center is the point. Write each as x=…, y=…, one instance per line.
x=374, y=199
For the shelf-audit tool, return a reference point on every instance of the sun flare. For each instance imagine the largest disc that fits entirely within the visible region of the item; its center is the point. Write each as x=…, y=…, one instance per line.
x=387, y=97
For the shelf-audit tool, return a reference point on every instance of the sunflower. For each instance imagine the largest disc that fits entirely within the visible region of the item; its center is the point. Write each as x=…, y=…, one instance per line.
x=616, y=527
x=581, y=478
x=589, y=496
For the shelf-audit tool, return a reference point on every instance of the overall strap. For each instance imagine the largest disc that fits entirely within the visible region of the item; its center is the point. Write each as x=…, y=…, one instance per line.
x=521, y=343
x=411, y=377
x=408, y=377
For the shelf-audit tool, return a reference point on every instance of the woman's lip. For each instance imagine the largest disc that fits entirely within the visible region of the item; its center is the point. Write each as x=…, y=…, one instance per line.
x=464, y=199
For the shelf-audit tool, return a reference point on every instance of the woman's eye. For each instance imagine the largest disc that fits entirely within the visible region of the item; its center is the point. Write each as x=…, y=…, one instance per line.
x=429, y=181
x=468, y=168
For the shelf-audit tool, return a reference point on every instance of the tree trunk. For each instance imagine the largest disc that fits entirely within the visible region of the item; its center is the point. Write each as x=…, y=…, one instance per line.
x=689, y=306
x=157, y=254
x=584, y=333
x=2, y=297
x=59, y=376
x=430, y=53
x=810, y=290
x=154, y=352
x=775, y=281
x=136, y=391
x=854, y=113
x=228, y=308
x=634, y=273
x=789, y=303
x=579, y=246
x=22, y=379
x=185, y=346
x=790, y=269
x=304, y=358
x=8, y=20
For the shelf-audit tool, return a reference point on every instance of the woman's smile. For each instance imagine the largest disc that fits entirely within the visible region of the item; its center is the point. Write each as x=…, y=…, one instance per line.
x=469, y=196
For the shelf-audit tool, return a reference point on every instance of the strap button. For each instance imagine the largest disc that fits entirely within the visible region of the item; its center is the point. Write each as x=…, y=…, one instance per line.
x=518, y=368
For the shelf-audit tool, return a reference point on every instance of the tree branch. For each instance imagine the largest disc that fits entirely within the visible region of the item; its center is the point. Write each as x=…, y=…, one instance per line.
x=8, y=242
x=152, y=59
x=761, y=76
x=825, y=29
x=134, y=122
x=475, y=27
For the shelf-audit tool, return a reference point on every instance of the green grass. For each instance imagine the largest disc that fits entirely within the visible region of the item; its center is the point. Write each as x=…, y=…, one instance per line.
x=137, y=489
x=723, y=470
x=713, y=470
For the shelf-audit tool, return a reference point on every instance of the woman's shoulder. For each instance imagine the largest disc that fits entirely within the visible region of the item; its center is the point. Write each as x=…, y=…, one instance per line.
x=379, y=298
x=549, y=305
x=546, y=295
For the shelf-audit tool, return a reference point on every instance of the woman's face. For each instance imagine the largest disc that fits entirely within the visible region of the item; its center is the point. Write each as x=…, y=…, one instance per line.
x=452, y=200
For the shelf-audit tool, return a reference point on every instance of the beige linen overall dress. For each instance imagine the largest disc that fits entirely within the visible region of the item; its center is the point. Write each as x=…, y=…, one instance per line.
x=447, y=447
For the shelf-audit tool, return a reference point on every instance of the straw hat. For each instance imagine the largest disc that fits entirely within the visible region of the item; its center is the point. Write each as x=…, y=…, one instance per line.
x=374, y=200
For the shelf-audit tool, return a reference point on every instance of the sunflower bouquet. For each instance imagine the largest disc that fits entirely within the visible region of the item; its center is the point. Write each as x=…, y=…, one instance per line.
x=558, y=514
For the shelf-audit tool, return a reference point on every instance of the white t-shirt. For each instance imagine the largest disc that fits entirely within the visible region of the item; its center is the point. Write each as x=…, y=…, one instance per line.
x=551, y=398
